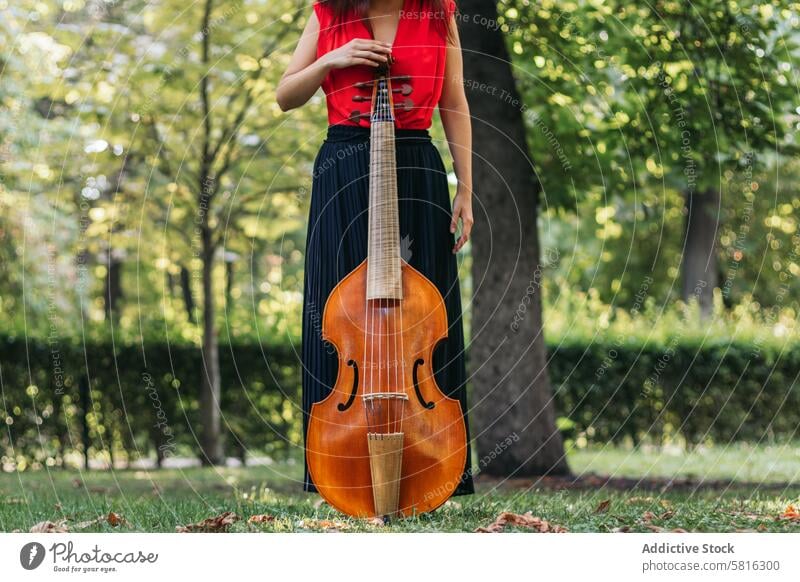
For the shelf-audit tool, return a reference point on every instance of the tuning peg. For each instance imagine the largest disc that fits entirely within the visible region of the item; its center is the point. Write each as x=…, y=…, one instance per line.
x=406, y=105
x=404, y=89
x=399, y=79
x=355, y=115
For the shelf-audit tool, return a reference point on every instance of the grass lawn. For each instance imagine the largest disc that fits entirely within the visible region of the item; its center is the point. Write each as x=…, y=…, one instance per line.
x=725, y=489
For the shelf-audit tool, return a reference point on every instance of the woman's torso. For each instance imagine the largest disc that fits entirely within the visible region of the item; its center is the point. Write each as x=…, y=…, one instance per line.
x=419, y=51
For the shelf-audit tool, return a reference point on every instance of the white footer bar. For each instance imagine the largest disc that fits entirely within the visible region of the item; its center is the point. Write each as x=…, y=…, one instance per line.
x=400, y=557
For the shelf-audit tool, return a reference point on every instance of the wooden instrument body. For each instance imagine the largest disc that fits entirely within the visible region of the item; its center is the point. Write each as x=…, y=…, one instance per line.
x=435, y=445
x=386, y=441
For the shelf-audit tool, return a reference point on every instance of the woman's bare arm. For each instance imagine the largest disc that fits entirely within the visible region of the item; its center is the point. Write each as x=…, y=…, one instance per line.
x=305, y=72
x=454, y=111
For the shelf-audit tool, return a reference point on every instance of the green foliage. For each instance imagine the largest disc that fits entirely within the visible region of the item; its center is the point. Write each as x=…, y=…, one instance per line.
x=106, y=143
x=616, y=387
x=143, y=400
x=627, y=106
x=621, y=95
x=658, y=373
x=625, y=251
x=689, y=392
x=102, y=125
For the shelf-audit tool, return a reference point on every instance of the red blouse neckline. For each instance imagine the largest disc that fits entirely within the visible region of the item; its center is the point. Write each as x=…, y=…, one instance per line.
x=400, y=22
x=420, y=53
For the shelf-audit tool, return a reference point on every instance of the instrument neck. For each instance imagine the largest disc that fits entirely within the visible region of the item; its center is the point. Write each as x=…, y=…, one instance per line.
x=384, y=279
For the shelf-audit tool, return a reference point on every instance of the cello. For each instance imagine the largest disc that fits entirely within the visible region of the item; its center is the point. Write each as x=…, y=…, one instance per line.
x=386, y=441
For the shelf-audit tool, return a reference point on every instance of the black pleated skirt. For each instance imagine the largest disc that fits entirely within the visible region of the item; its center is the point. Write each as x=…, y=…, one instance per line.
x=337, y=243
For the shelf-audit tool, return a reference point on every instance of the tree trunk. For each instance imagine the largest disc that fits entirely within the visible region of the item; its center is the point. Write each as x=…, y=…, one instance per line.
x=700, y=268
x=112, y=292
x=186, y=289
x=512, y=399
x=210, y=384
x=113, y=286
x=228, y=284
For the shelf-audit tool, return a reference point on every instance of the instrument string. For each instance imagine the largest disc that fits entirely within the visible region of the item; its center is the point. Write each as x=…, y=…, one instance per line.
x=381, y=202
x=381, y=403
x=398, y=402
x=386, y=404
x=386, y=151
x=402, y=384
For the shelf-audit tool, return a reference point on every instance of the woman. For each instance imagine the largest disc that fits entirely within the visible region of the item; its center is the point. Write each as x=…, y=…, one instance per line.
x=342, y=44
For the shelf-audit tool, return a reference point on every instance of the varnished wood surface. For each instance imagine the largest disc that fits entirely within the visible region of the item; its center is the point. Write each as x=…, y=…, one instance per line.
x=434, y=451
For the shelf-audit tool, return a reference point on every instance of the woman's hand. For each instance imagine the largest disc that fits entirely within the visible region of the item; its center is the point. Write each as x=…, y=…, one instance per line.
x=358, y=51
x=462, y=209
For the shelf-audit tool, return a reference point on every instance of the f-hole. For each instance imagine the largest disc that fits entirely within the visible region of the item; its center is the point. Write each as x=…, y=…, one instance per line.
x=349, y=403
x=417, y=364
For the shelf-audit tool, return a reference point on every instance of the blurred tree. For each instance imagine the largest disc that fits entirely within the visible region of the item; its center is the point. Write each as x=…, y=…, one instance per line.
x=631, y=98
x=715, y=101
x=170, y=138
x=204, y=117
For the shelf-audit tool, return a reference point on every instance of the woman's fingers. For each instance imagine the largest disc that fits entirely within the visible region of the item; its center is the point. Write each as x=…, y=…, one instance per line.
x=465, y=215
x=368, y=62
x=462, y=240
x=378, y=45
x=373, y=56
x=372, y=45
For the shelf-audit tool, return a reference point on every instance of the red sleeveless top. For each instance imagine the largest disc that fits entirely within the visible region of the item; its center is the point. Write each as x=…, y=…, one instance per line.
x=419, y=51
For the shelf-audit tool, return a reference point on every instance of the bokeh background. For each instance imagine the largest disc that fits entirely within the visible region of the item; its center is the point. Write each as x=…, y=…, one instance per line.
x=153, y=206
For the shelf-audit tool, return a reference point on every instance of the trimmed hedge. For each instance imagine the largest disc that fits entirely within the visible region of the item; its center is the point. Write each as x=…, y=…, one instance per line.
x=712, y=392
x=142, y=401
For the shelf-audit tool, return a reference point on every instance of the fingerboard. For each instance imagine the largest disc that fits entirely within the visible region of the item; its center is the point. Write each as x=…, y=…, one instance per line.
x=384, y=279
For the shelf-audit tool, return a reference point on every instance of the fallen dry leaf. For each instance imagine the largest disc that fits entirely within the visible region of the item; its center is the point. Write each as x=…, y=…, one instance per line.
x=112, y=519
x=792, y=513
x=376, y=521
x=603, y=507
x=263, y=518
x=218, y=523
x=50, y=527
x=115, y=519
x=527, y=520
x=666, y=515
x=623, y=529
x=678, y=530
